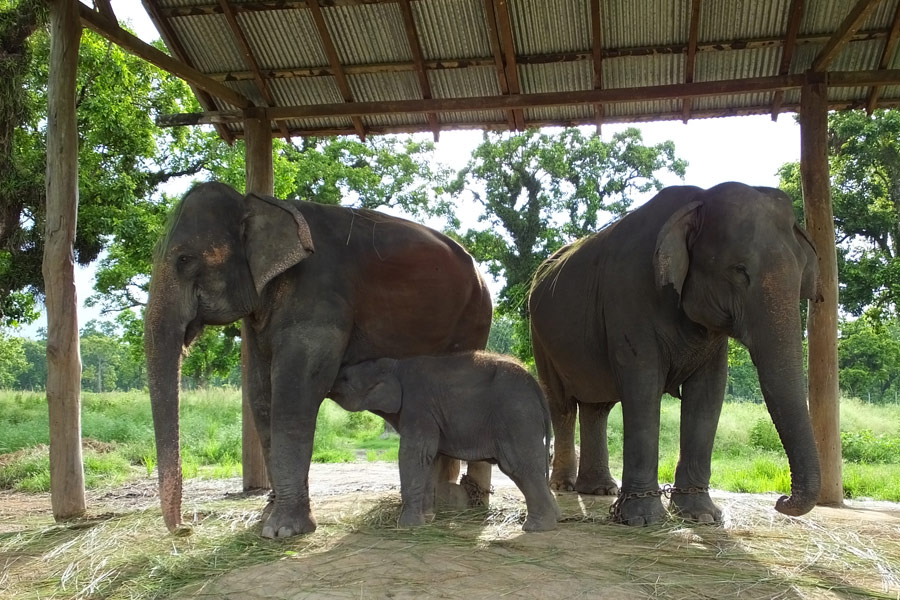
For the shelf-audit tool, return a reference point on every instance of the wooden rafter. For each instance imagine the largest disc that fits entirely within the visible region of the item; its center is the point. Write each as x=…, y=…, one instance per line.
x=597, y=57
x=887, y=55
x=509, y=56
x=250, y=60
x=174, y=45
x=334, y=61
x=841, y=37
x=540, y=59
x=497, y=59
x=690, y=58
x=415, y=47
x=105, y=9
x=795, y=16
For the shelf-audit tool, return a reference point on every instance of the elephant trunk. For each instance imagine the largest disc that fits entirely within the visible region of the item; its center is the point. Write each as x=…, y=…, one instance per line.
x=164, y=343
x=778, y=357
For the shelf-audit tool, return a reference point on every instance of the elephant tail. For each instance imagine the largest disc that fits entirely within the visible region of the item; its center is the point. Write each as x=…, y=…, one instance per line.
x=545, y=412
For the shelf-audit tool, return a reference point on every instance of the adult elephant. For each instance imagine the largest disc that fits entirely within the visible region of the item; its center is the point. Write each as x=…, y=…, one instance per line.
x=646, y=306
x=317, y=286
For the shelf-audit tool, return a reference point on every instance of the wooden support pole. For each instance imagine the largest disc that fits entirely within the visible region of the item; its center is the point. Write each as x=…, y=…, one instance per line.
x=63, y=356
x=822, y=319
x=260, y=180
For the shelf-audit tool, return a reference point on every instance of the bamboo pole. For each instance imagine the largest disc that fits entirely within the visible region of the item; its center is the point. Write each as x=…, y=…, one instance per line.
x=63, y=356
x=824, y=404
x=260, y=180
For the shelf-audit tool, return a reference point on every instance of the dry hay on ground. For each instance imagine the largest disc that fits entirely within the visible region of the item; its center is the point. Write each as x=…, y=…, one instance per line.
x=122, y=551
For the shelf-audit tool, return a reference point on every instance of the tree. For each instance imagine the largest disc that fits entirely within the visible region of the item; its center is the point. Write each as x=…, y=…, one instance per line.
x=869, y=359
x=123, y=156
x=12, y=360
x=865, y=189
x=537, y=191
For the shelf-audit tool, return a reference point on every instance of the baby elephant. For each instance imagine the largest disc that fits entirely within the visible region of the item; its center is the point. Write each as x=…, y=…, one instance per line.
x=470, y=406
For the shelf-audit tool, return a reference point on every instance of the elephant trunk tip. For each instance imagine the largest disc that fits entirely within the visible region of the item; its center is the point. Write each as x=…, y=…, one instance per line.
x=796, y=505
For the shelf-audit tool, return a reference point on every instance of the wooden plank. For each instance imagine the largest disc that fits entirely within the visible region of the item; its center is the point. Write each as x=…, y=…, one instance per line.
x=63, y=355
x=335, y=62
x=690, y=59
x=496, y=50
x=541, y=59
x=249, y=59
x=795, y=16
x=509, y=56
x=260, y=180
x=597, y=57
x=822, y=317
x=409, y=24
x=111, y=31
x=174, y=45
x=887, y=56
x=839, y=39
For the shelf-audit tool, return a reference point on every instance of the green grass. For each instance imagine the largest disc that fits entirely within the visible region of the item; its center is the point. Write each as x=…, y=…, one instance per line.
x=748, y=456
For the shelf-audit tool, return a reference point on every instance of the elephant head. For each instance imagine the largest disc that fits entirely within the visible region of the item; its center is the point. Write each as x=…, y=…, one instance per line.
x=370, y=385
x=740, y=264
x=219, y=251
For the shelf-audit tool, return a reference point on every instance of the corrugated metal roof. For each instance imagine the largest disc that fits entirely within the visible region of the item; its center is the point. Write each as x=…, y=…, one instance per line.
x=484, y=49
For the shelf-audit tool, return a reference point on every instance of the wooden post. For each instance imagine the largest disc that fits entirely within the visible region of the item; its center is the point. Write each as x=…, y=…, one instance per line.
x=824, y=406
x=63, y=356
x=260, y=180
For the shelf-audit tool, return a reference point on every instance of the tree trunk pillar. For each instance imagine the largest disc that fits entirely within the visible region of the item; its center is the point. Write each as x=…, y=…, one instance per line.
x=824, y=405
x=63, y=355
x=260, y=180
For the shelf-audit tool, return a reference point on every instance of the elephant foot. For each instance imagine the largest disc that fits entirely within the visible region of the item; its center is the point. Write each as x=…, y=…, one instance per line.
x=562, y=480
x=696, y=506
x=410, y=518
x=537, y=523
x=638, y=510
x=602, y=484
x=450, y=496
x=286, y=521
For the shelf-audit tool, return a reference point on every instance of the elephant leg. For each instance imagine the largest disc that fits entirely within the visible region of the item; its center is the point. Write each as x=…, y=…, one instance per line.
x=479, y=473
x=417, y=454
x=562, y=477
x=300, y=379
x=639, y=499
x=255, y=379
x=593, y=465
x=701, y=405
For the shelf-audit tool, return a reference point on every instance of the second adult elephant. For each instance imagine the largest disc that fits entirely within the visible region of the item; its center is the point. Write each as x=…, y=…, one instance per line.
x=317, y=286
x=646, y=306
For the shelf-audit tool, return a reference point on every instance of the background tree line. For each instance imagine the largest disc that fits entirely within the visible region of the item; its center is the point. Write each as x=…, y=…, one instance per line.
x=530, y=193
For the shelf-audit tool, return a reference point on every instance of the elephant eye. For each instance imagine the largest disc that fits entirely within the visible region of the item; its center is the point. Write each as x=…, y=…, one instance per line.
x=742, y=271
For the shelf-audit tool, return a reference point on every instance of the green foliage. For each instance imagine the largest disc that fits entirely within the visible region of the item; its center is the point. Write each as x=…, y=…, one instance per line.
x=868, y=448
x=764, y=436
x=869, y=359
x=12, y=359
x=865, y=168
x=537, y=191
x=743, y=380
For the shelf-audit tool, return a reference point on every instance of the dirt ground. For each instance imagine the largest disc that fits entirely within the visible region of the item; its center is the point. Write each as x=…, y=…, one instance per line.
x=357, y=552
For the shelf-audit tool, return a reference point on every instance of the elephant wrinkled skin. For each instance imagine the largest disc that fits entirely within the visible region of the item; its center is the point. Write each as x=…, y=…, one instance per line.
x=317, y=287
x=646, y=306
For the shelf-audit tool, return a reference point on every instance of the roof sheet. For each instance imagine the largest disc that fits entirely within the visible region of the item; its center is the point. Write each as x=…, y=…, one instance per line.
x=381, y=51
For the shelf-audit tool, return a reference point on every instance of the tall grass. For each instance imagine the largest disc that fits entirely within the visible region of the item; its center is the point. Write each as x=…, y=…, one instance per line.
x=748, y=456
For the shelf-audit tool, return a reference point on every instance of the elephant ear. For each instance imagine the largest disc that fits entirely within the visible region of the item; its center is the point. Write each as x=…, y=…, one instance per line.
x=276, y=237
x=386, y=395
x=672, y=258
x=810, y=285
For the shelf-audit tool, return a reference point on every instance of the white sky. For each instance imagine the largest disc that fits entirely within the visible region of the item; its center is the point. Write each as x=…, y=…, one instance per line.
x=745, y=149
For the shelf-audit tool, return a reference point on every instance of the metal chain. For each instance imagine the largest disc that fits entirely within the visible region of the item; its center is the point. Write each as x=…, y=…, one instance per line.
x=615, y=510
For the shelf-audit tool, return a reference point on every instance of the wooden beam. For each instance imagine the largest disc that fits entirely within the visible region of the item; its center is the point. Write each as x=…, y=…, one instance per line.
x=497, y=51
x=691, y=57
x=335, y=62
x=249, y=59
x=887, y=56
x=260, y=175
x=541, y=59
x=839, y=39
x=111, y=31
x=822, y=317
x=415, y=48
x=509, y=56
x=63, y=355
x=106, y=9
x=597, y=57
x=795, y=16
x=174, y=45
